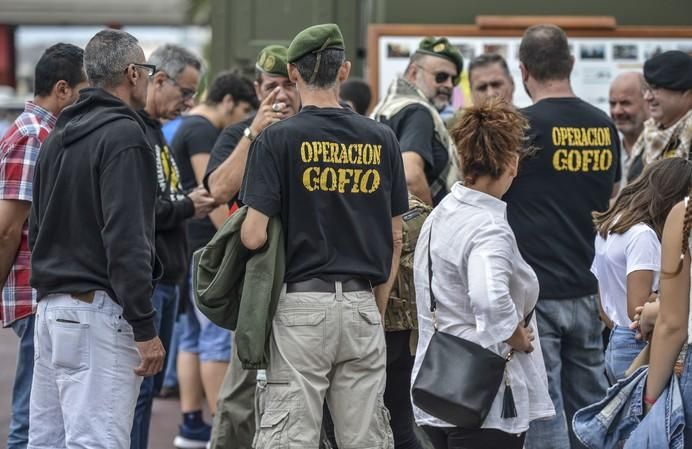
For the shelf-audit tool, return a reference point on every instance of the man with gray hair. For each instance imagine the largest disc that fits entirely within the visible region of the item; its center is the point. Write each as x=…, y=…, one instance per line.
x=629, y=112
x=171, y=91
x=91, y=232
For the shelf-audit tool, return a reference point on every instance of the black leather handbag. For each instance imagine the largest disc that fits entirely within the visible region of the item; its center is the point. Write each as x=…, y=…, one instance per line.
x=458, y=379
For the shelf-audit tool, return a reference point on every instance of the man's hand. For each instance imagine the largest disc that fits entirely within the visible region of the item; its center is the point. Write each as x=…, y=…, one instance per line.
x=521, y=338
x=203, y=202
x=152, y=354
x=268, y=112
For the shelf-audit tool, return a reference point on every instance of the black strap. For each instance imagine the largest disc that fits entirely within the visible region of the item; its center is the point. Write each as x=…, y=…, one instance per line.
x=433, y=302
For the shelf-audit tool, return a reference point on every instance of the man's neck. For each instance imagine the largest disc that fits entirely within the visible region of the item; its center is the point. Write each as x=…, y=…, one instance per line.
x=629, y=139
x=210, y=113
x=674, y=120
x=320, y=98
x=552, y=89
x=49, y=103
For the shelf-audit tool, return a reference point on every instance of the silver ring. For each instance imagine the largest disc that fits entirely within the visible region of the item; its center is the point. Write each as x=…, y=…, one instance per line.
x=276, y=107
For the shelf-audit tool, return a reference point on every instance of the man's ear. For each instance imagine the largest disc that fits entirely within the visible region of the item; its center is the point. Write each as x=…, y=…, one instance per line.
x=524, y=72
x=62, y=90
x=258, y=92
x=344, y=71
x=159, y=78
x=293, y=73
x=228, y=103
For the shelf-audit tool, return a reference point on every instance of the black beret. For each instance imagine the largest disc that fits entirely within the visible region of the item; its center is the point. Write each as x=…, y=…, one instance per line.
x=670, y=70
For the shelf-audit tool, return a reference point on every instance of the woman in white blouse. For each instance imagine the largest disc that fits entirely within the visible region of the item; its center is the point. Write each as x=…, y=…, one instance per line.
x=628, y=253
x=484, y=289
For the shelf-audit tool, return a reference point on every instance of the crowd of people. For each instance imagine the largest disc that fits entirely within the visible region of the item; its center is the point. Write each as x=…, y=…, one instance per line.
x=269, y=248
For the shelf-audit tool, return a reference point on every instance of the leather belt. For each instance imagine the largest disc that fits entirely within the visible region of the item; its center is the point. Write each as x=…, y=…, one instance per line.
x=318, y=285
x=87, y=297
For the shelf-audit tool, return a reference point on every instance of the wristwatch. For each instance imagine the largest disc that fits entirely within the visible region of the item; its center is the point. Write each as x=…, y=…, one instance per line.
x=247, y=132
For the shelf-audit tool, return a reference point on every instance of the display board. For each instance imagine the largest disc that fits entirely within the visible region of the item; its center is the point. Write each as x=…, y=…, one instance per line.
x=600, y=55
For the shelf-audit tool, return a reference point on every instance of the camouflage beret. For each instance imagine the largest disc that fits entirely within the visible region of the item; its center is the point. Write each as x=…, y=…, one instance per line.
x=441, y=48
x=272, y=60
x=314, y=40
x=670, y=70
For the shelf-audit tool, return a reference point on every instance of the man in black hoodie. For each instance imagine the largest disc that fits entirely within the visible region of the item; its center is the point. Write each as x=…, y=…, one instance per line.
x=91, y=231
x=171, y=90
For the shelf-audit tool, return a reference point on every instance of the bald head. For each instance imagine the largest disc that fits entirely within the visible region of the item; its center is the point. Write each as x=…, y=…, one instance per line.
x=627, y=106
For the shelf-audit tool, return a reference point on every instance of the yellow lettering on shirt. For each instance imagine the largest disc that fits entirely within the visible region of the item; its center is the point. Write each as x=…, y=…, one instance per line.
x=582, y=149
x=326, y=171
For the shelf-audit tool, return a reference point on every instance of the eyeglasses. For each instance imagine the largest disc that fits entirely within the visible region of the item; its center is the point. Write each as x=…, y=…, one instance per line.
x=186, y=93
x=150, y=68
x=441, y=77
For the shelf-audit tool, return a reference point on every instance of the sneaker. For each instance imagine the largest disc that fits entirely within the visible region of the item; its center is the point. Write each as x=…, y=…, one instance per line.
x=192, y=438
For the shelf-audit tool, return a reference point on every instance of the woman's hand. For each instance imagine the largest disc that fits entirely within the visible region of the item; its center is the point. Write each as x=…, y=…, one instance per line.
x=644, y=320
x=521, y=338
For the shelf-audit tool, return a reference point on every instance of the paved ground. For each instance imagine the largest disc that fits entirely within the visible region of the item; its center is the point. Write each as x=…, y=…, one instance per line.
x=165, y=419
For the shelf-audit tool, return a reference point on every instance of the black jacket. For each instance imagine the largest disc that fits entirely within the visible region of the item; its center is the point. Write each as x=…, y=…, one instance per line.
x=173, y=207
x=91, y=225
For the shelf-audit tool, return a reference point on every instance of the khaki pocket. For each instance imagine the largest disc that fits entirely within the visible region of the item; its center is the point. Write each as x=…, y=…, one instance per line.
x=272, y=432
x=370, y=321
x=301, y=322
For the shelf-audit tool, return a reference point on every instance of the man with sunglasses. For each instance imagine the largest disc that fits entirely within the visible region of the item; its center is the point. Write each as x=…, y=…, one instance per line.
x=170, y=92
x=668, y=93
x=91, y=232
x=411, y=108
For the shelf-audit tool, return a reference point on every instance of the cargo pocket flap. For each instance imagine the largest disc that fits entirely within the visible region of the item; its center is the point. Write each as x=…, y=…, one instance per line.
x=370, y=315
x=272, y=418
x=301, y=318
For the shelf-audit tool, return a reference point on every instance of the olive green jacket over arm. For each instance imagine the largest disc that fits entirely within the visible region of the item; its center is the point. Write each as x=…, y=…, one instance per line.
x=238, y=289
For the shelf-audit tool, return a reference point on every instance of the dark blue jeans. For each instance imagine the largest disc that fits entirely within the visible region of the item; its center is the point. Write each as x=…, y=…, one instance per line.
x=18, y=436
x=165, y=302
x=572, y=345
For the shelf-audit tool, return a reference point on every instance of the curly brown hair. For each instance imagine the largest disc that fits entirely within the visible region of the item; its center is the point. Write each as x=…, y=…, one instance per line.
x=488, y=138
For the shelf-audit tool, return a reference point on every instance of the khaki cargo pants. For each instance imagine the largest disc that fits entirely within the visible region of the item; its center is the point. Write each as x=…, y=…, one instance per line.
x=324, y=346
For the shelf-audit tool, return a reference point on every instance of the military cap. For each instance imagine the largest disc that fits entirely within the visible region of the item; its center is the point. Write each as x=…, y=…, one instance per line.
x=272, y=60
x=314, y=40
x=671, y=70
x=441, y=48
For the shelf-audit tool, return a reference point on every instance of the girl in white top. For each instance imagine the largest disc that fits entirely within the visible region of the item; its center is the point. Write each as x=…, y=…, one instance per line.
x=628, y=253
x=484, y=289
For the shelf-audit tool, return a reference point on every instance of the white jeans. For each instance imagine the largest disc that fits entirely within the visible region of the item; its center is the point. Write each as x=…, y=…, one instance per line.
x=84, y=389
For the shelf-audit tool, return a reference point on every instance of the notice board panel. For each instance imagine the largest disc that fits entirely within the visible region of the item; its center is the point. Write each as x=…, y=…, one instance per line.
x=600, y=53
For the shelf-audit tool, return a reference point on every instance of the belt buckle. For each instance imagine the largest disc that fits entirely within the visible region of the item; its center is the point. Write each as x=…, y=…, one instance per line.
x=87, y=297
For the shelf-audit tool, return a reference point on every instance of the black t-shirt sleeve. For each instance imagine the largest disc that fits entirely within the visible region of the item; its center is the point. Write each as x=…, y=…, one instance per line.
x=415, y=129
x=261, y=188
x=399, y=189
x=223, y=148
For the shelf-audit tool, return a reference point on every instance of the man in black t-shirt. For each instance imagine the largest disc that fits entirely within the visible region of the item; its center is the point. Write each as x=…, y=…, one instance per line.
x=234, y=421
x=575, y=169
x=336, y=181
x=205, y=348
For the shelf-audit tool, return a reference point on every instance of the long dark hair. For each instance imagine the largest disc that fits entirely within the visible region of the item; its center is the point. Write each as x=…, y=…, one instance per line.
x=648, y=199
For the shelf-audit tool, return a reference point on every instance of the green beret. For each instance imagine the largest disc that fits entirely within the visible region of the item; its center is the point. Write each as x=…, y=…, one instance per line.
x=671, y=70
x=314, y=40
x=272, y=60
x=441, y=48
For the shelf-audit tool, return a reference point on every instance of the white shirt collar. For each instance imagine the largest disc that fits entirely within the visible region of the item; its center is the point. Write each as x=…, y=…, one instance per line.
x=479, y=199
